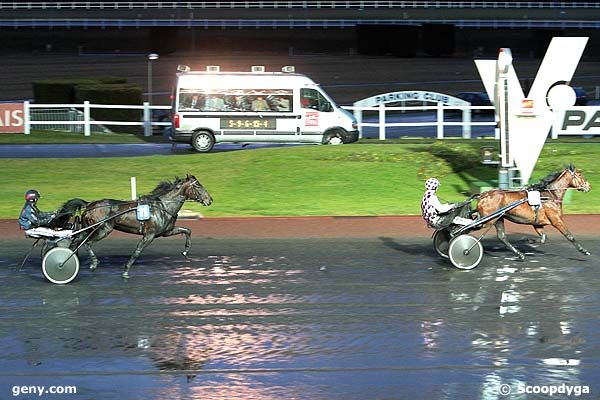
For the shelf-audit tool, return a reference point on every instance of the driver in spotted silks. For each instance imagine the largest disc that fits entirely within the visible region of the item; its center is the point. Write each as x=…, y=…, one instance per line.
x=440, y=215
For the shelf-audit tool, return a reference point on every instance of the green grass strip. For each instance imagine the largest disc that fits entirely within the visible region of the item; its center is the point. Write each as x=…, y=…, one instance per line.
x=358, y=179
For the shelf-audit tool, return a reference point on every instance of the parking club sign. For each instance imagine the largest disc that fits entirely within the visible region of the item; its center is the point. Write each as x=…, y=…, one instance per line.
x=11, y=118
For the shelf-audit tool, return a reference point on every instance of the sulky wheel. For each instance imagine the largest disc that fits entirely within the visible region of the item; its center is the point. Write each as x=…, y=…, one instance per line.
x=60, y=265
x=441, y=242
x=50, y=244
x=465, y=252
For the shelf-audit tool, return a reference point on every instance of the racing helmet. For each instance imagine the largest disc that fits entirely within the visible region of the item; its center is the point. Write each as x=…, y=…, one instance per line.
x=432, y=184
x=32, y=195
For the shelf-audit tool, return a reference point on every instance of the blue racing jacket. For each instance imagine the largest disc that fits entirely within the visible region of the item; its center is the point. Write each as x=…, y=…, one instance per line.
x=32, y=217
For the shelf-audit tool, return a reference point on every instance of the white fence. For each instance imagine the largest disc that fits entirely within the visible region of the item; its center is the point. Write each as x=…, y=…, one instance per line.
x=440, y=122
x=381, y=124
x=66, y=5
x=294, y=23
x=87, y=121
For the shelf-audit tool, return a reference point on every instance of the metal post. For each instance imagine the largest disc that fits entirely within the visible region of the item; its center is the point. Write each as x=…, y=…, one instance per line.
x=149, y=87
x=133, y=188
x=382, y=121
x=440, y=121
x=502, y=106
x=87, y=131
x=147, y=119
x=151, y=57
x=26, y=118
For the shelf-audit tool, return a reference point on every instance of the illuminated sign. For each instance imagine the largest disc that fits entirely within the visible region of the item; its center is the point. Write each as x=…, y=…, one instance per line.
x=548, y=94
x=248, y=123
x=414, y=95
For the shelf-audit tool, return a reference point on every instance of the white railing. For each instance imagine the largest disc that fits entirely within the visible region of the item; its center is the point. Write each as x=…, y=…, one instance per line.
x=440, y=123
x=383, y=113
x=295, y=23
x=107, y=5
x=87, y=121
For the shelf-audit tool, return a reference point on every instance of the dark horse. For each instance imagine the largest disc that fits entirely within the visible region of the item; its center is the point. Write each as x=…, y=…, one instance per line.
x=165, y=201
x=552, y=190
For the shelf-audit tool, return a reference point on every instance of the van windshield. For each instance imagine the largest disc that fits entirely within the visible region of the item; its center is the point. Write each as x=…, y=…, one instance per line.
x=236, y=100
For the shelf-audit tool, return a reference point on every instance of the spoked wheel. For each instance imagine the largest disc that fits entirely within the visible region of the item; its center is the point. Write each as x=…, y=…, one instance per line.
x=465, y=252
x=60, y=265
x=441, y=242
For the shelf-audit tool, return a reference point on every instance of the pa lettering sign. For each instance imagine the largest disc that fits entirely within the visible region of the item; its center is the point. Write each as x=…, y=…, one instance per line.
x=11, y=118
x=577, y=121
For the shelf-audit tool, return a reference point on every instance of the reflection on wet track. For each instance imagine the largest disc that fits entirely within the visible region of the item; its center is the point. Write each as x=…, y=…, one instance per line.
x=307, y=319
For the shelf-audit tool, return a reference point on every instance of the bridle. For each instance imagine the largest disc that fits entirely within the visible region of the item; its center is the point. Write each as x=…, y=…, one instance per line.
x=582, y=184
x=576, y=181
x=193, y=186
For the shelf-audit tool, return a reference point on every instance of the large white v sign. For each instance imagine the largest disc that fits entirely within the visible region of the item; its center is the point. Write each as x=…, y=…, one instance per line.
x=528, y=133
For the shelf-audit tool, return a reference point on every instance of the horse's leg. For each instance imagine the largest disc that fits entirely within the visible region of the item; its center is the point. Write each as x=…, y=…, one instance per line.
x=93, y=257
x=540, y=231
x=99, y=234
x=188, y=237
x=559, y=224
x=146, y=240
x=502, y=236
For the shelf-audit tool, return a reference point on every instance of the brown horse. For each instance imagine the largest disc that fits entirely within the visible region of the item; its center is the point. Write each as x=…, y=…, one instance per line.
x=552, y=190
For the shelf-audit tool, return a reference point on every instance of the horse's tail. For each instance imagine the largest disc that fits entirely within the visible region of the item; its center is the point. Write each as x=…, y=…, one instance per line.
x=71, y=208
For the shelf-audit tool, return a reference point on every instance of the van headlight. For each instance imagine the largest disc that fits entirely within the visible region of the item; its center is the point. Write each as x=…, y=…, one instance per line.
x=354, y=125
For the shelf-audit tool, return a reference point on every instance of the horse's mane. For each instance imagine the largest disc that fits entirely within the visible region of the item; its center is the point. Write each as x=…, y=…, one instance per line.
x=163, y=188
x=544, y=182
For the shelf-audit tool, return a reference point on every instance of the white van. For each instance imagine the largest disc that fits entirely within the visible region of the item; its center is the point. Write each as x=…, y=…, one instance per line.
x=243, y=107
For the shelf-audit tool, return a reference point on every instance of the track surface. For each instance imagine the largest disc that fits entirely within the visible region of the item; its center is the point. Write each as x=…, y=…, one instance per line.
x=327, y=318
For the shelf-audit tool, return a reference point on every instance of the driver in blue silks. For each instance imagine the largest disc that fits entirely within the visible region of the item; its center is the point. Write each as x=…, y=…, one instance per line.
x=34, y=221
x=31, y=216
x=441, y=215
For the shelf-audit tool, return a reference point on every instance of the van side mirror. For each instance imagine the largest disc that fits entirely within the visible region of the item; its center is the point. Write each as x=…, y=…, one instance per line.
x=327, y=107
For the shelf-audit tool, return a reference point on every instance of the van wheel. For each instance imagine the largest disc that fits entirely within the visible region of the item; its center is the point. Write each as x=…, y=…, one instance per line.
x=203, y=141
x=334, y=138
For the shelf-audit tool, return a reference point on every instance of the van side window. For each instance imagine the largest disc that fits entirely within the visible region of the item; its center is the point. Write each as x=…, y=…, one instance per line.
x=313, y=99
x=236, y=100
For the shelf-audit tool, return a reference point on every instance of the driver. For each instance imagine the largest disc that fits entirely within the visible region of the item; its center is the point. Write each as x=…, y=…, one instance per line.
x=34, y=221
x=440, y=215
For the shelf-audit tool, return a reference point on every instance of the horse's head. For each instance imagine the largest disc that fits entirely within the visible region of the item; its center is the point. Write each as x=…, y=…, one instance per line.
x=194, y=190
x=578, y=181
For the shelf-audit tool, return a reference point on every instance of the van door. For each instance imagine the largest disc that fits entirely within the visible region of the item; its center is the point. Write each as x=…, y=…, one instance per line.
x=316, y=115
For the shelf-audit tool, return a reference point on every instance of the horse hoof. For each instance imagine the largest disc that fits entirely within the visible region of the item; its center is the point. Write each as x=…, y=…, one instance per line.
x=125, y=275
x=587, y=253
x=93, y=267
x=185, y=253
x=521, y=256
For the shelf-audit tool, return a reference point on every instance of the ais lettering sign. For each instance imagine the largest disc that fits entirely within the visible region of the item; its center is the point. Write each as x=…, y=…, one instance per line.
x=11, y=118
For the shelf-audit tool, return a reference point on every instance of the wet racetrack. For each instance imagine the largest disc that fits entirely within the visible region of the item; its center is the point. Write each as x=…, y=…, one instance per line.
x=380, y=318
